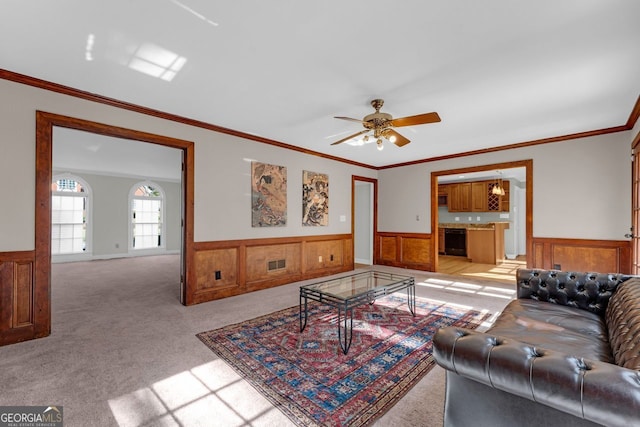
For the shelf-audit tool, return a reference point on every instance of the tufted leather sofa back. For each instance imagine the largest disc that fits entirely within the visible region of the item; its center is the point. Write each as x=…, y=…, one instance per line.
x=588, y=291
x=623, y=324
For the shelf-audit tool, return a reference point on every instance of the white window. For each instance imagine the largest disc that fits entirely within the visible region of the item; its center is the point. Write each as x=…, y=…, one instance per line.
x=147, y=224
x=69, y=215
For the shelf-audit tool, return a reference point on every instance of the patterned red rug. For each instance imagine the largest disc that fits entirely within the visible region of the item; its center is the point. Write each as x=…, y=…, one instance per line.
x=307, y=376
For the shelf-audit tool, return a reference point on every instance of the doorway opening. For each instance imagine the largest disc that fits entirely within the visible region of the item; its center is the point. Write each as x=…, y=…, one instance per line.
x=138, y=199
x=45, y=123
x=515, y=217
x=364, y=194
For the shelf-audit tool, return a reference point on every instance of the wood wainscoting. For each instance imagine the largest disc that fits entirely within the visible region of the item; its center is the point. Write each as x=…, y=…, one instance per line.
x=24, y=312
x=601, y=256
x=233, y=267
x=407, y=250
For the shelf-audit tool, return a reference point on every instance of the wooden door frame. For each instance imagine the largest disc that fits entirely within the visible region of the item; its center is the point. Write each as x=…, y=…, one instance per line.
x=634, y=233
x=373, y=181
x=527, y=164
x=44, y=174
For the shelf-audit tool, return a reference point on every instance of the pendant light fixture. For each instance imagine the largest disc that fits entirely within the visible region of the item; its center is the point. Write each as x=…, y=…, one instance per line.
x=498, y=187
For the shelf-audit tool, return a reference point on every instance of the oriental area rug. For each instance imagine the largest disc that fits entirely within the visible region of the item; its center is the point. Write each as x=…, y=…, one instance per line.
x=310, y=380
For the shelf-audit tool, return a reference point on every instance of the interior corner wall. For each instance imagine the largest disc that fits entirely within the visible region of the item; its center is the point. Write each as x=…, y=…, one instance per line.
x=222, y=170
x=581, y=188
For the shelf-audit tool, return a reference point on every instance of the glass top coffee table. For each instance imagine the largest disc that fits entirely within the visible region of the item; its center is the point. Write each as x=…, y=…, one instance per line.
x=346, y=293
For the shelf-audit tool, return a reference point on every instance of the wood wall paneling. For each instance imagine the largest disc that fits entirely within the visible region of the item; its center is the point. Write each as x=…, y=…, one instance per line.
x=18, y=300
x=216, y=260
x=388, y=249
x=415, y=250
x=407, y=250
x=22, y=294
x=322, y=255
x=585, y=258
x=602, y=256
x=247, y=265
x=260, y=258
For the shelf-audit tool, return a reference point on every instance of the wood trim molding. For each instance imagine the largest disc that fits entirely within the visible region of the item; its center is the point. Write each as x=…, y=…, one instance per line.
x=44, y=143
x=561, y=138
x=88, y=96
x=66, y=90
x=42, y=255
x=221, y=244
x=635, y=114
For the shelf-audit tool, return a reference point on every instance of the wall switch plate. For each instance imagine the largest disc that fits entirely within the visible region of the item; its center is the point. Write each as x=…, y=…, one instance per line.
x=343, y=218
x=477, y=218
x=469, y=218
x=504, y=215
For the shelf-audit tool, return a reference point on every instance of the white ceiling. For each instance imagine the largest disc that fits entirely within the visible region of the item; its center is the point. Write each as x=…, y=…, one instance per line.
x=498, y=72
x=78, y=151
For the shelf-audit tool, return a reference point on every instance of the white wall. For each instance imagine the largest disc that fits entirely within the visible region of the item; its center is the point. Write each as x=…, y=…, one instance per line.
x=581, y=188
x=222, y=170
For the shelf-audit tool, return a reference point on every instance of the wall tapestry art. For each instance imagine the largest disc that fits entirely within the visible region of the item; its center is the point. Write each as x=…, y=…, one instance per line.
x=315, y=199
x=268, y=195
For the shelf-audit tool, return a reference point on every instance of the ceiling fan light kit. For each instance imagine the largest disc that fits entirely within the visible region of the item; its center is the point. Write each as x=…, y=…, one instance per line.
x=382, y=124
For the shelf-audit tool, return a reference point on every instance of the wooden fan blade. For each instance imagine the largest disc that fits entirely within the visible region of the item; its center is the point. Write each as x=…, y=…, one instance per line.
x=400, y=140
x=420, y=119
x=350, y=136
x=347, y=118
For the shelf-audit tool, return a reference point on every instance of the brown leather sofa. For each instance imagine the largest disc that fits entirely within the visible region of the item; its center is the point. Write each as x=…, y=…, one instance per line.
x=565, y=352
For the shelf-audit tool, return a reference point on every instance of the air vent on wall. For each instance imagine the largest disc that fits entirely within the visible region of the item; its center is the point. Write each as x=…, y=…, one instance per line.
x=276, y=265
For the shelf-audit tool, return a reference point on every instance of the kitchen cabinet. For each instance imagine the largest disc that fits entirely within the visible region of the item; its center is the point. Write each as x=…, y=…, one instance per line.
x=474, y=197
x=443, y=195
x=496, y=203
x=479, y=194
x=486, y=245
x=504, y=200
x=459, y=199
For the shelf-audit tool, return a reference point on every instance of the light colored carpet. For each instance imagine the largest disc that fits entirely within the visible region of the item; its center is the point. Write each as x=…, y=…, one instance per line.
x=123, y=351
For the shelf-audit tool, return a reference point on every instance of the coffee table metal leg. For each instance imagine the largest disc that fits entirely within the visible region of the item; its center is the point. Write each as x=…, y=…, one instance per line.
x=303, y=325
x=411, y=299
x=346, y=337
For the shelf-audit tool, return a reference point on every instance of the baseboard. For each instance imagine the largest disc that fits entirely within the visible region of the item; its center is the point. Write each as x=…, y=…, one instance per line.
x=59, y=259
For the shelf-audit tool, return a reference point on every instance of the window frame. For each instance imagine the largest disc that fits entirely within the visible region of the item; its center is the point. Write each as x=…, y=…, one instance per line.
x=163, y=236
x=88, y=195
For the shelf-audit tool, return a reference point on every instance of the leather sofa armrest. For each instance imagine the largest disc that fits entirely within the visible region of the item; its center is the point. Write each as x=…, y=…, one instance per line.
x=597, y=391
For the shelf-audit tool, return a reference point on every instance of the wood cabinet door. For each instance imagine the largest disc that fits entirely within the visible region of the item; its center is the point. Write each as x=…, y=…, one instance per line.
x=453, y=200
x=479, y=196
x=465, y=196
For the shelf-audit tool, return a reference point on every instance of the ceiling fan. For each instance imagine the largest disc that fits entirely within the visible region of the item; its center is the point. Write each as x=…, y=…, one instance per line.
x=382, y=125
